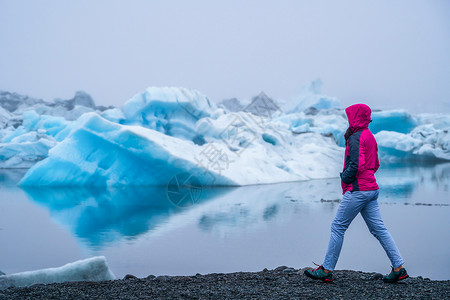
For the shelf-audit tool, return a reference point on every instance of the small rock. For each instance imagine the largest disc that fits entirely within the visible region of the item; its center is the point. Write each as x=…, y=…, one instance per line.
x=185, y=278
x=289, y=270
x=376, y=276
x=1, y=273
x=311, y=111
x=129, y=276
x=265, y=270
x=162, y=278
x=37, y=286
x=151, y=277
x=427, y=279
x=280, y=268
x=420, y=277
x=301, y=271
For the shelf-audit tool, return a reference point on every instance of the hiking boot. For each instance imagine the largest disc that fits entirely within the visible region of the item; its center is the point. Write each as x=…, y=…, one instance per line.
x=396, y=276
x=319, y=273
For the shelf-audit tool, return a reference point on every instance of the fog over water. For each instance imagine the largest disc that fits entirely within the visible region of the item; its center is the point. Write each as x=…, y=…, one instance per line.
x=389, y=54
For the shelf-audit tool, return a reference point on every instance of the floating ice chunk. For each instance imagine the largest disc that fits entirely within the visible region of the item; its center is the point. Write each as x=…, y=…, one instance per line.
x=424, y=143
x=11, y=134
x=27, y=144
x=273, y=145
x=91, y=269
x=311, y=97
x=439, y=121
x=392, y=120
x=24, y=121
x=22, y=152
x=402, y=136
x=31, y=136
x=436, y=142
x=331, y=124
x=297, y=122
x=99, y=152
x=172, y=111
x=115, y=115
x=397, y=140
x=52, y=126
x=328, y=124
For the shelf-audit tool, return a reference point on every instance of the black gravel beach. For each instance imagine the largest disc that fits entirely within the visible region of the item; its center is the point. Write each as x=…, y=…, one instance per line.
x=280, y=283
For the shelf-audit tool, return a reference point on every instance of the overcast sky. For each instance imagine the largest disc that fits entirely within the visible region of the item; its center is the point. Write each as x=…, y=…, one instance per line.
x=388, y=54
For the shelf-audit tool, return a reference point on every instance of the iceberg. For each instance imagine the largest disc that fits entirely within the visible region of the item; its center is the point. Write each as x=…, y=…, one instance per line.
x=99, y=152
x=29, y=127
x=91, y=269
x=424, y=143
x=393, y=120
x=102, y=153
x=23, y=152
x=31, y=141
x=165, y=131
x=50, y=126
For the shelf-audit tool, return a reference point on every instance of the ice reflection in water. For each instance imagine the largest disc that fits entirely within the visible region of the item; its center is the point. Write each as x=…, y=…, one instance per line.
x=100, y=216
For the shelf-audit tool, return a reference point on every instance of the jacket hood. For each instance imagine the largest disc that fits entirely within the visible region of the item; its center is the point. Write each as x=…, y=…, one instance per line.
x=358, y=116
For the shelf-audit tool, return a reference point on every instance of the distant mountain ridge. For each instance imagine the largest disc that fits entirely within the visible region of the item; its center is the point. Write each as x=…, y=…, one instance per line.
x=15, y=102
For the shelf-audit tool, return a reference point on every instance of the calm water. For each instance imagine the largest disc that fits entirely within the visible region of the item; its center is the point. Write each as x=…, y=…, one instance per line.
x=141, y=231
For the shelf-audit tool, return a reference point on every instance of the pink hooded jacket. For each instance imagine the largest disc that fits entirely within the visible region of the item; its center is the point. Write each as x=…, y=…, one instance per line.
x=361, y=152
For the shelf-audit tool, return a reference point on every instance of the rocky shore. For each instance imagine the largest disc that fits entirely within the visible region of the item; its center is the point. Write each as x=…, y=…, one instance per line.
x=280, y=283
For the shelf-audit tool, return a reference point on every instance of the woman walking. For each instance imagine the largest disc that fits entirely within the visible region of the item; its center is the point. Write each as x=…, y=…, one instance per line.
x=360, y=191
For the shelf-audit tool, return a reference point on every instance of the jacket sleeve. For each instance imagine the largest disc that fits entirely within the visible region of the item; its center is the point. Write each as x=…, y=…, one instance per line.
x=377, y=162
x=351, y=168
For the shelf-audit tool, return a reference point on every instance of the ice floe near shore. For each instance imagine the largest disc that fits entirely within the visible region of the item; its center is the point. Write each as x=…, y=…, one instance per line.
x=91, y=269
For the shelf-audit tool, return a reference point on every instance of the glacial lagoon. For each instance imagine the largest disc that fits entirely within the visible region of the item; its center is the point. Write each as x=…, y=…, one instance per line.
x=161, y=230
